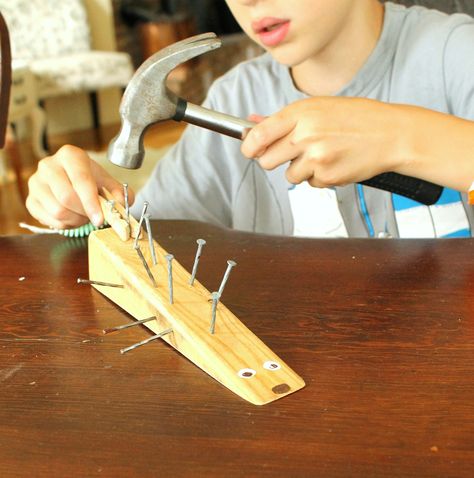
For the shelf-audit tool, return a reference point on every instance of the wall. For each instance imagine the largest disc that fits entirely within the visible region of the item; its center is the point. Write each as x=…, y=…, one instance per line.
x=127, y=38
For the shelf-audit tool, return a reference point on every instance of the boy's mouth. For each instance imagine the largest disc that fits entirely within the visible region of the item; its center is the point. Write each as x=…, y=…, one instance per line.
x=271, y=31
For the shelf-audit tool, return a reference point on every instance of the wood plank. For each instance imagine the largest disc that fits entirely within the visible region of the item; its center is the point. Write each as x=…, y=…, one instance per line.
x=233, y=355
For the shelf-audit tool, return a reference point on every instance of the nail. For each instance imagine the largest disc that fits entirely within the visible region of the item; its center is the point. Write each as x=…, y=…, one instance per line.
x=169, y=258
x=96, y=282
x=126, y=326
x=127, y=206
x=230, y=265
x=139, y=229
x=145, y=265
x=200, y=243
x=144, y=342
x=150, y=238
x=215, y=299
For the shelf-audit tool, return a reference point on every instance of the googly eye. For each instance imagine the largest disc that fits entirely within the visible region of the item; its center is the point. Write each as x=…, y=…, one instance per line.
x=246, y=373
x=271, y=365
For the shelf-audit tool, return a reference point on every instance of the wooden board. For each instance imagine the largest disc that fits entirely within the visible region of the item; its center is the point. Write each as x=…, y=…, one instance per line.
x=233, y=355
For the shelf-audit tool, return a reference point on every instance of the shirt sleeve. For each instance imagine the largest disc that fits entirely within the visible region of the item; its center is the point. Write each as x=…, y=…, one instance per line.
x=459, y=69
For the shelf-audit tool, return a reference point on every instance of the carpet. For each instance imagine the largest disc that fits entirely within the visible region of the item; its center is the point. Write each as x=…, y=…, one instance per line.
x=135, y=178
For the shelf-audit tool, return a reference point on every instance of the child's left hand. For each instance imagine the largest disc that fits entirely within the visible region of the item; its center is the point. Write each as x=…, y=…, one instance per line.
x=330, y=140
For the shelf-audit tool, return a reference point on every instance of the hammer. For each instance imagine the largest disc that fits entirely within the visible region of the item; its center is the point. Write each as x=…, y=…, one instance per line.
x=147, y=100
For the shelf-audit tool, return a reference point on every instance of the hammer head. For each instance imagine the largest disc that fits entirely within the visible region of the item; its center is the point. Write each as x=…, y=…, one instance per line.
x=147, y=100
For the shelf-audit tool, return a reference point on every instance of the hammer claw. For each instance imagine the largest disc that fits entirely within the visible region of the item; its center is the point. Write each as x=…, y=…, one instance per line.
x=180, y=52
x=147, y=100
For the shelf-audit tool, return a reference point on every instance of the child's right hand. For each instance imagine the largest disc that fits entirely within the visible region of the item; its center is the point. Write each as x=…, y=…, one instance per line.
x=63, y=192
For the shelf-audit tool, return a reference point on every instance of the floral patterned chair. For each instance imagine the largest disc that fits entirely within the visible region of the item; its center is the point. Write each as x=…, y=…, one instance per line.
x=68, y=45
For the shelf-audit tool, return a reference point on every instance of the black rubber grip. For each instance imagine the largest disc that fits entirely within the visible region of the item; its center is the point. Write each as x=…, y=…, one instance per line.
x=422, y=191
x=180, y=109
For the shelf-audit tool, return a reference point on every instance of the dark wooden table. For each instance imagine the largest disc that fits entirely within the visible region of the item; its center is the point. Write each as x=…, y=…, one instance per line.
x=382, y=331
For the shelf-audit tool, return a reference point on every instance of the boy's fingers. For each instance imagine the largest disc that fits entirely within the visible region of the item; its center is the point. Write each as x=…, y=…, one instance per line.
x=280, y=152
x=52, y=210
x=39, y=213
x=63, y=190
x=301, y=170
x=57, y=211
x=261, y=136
x=256, y=118
x=84, y=183
x=43, y=215
x=298, y=171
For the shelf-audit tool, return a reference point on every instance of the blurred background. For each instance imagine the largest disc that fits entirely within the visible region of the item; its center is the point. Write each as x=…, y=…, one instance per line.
x=72, y=60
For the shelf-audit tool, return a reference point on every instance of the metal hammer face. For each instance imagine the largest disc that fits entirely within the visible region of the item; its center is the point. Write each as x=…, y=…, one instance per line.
x=147, y=100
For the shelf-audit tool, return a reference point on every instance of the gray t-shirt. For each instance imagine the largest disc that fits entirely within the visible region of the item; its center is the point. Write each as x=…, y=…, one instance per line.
x=422, y=58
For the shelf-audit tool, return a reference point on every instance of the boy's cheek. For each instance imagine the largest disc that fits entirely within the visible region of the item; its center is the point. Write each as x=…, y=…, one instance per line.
x=240, y=11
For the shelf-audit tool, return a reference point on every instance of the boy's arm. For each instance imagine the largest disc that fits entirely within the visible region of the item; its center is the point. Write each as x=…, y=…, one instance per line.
x=341, y=140
x=334, y=141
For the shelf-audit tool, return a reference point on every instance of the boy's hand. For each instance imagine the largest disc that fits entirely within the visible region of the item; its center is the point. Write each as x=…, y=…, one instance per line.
x=63, y=192
x=330, y=141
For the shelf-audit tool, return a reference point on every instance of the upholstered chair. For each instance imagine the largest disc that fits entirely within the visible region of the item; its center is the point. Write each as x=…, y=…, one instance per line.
x=60, y=42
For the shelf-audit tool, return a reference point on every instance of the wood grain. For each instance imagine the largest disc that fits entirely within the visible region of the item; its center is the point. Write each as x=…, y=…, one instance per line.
x=228, y=355
x=115, y=218
x=382, y=331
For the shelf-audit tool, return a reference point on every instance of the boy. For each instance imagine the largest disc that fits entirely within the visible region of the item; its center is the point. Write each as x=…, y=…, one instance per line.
x=321, y=55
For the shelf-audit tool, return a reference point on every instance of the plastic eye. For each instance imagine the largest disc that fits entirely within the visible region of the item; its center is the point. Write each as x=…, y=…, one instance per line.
x=246, y=373
x=270, y=365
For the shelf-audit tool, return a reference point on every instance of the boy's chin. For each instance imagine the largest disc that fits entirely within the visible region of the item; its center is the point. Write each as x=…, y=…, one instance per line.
x=286, y=56
x=286, y=59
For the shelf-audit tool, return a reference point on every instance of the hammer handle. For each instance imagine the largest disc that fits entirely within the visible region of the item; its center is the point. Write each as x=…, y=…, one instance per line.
x=417, y=189
x=213, y=120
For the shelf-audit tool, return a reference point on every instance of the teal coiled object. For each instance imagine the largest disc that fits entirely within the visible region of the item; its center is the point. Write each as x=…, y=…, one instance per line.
x=82, y=231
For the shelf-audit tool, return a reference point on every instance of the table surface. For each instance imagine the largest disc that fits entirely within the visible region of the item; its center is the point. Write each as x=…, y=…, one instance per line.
x=382, y=331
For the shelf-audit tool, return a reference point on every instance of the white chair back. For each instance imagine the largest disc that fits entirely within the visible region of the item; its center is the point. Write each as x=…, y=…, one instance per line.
x=46, y=28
